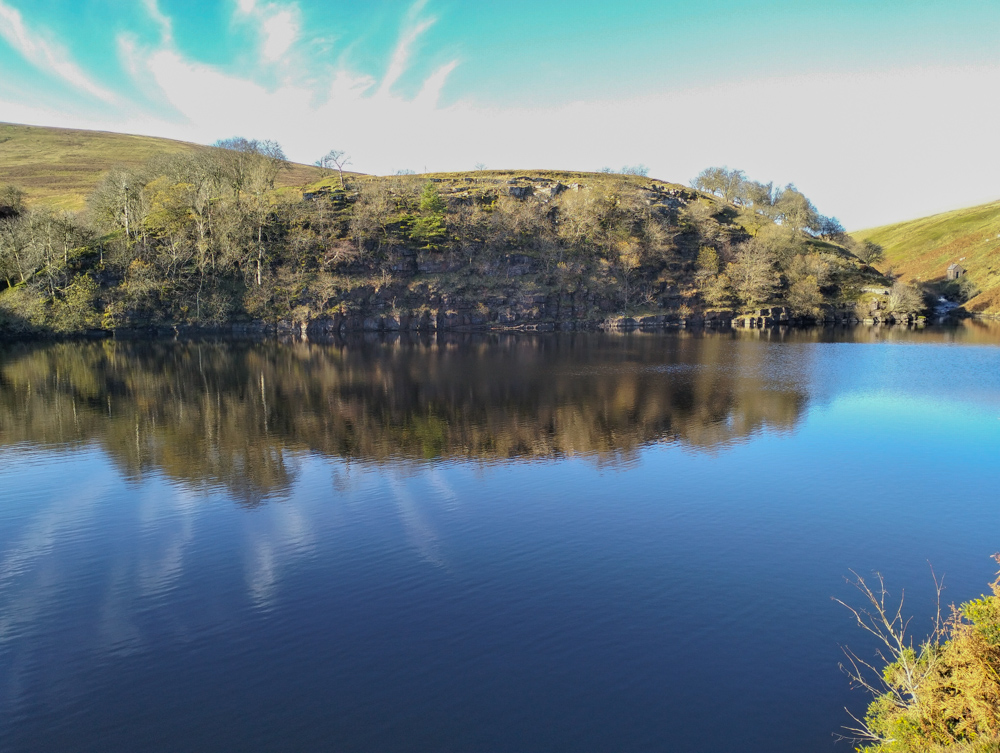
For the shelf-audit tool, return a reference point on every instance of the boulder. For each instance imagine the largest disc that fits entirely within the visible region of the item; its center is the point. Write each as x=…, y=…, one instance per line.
x=324, y=326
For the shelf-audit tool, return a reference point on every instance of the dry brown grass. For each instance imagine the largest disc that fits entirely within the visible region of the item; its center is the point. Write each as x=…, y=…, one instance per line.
x=59, y=167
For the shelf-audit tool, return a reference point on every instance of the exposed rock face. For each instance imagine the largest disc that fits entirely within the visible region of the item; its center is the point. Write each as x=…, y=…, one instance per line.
x=528, y=283
x=551, y=191
x=520, y=192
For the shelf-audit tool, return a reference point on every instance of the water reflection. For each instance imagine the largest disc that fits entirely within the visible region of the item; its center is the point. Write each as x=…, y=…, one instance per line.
x=236, y=415
x=503, y=595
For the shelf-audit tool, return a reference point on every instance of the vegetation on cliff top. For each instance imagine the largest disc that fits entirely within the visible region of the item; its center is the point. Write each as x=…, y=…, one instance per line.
x=208, y=236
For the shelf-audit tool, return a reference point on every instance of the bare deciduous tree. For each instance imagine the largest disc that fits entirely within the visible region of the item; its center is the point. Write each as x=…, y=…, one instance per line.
x=335, y=159
x=119, y=201
x=904, y=298
x=751, y=274
x=721, y=181
x=908, y=666
x=239, y=160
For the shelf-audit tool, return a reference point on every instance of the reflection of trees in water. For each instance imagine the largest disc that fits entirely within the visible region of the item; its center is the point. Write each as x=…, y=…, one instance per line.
x=232, y=413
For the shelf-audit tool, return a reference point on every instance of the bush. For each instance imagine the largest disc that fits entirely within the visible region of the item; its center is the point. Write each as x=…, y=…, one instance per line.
x=905, y=298
x=941, y=695
x=76, y=311
x=22, y=310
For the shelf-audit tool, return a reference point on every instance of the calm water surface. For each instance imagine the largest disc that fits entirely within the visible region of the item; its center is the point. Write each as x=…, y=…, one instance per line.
x=553, y=543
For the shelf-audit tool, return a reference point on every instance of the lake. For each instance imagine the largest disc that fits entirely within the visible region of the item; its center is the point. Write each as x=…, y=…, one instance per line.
x=486, y=543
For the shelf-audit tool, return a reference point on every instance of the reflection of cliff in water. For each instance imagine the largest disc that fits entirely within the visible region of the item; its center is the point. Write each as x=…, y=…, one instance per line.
x=234, y=414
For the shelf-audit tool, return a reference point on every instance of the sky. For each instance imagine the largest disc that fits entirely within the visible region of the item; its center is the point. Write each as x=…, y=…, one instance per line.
x=878, y=110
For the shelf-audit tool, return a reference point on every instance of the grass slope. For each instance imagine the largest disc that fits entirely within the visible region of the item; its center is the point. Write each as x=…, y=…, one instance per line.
x=457, y=182
x=59, y=167
x=921, y=250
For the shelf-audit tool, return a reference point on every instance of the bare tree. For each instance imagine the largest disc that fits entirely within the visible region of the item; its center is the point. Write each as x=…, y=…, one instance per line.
x=120, y=202
x=721, y=181
x=830, y=227
x=371, y=215
x=751, y=273
x=17, y=255
x=794, y=210
x=759, y=196
x=640, y=170
x=235, y=156
x=251, y=167
x=907, y=667
x=904, y=298
x=335, y=159
x=626, y=260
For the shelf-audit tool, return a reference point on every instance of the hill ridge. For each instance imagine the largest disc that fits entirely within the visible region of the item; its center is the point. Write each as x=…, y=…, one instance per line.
x=60, y=167
x=921, y=250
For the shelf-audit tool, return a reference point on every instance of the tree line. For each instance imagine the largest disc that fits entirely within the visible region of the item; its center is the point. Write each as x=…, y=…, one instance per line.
x=785, y=206
x=207, y=238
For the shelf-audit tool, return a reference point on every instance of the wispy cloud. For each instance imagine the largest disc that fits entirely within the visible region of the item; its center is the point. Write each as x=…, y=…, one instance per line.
x=430, y=92
x=862, y=160
x=401, y=55
x=161, y=20
x=46, y=55
x=279, y=26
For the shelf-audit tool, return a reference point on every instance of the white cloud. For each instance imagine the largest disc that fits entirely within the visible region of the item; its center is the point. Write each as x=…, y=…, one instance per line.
x=163, y=21
x=867, y=148
x=279, y=26
x=281, y=30
x=46, y=55
x=401, y=55
x=430, y=92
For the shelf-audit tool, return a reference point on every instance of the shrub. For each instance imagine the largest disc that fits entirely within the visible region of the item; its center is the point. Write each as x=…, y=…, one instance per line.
x=76, y=311
x=941, y=695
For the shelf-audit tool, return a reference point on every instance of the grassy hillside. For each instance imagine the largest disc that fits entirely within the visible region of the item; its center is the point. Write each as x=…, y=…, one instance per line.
x=59, y=167
x=921, y=250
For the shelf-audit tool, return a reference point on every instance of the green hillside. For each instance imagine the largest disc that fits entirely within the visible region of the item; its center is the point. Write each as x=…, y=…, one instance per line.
x=60, y=167
x=921, y=250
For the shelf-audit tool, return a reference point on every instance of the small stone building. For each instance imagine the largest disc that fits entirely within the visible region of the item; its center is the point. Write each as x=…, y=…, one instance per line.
x=955, y=271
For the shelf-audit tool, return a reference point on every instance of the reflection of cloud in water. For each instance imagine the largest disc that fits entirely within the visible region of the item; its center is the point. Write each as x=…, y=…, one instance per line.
x=32, y=581
x=419, y=531
x=193, y=422
x=117, y=632
x=262, y=573
x=29, y=560
x=275, y=535
x=443, y=488
x=140, y=540
x=161, y=562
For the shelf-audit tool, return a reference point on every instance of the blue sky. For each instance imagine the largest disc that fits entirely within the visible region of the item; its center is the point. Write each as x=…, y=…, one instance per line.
x=862, y=104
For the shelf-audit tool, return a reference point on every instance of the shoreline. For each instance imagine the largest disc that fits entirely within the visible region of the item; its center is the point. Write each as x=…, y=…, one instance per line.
x=332, y=329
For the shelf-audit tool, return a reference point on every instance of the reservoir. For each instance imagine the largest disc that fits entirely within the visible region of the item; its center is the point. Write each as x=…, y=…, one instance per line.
x=479, y=543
